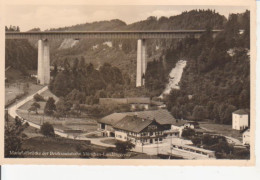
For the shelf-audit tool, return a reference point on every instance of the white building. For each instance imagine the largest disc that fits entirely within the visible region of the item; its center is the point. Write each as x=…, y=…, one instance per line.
x=139, y=131
x=240, y=119
x=246, y=137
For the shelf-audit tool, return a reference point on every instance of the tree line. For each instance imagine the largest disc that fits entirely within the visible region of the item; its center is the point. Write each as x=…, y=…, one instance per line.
x=216, y=80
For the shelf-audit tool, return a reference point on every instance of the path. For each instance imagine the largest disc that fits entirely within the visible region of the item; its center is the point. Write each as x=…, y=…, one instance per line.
x=12, y=112
x=229, y=139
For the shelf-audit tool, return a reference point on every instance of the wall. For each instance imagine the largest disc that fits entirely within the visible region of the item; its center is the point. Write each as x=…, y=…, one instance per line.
x=122, y=136
x=246, y=137
x=239, y=121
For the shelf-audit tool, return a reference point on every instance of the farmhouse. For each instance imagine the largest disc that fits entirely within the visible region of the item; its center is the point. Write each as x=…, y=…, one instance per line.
x=240, y=119
x=161, y=116
x=138, y=130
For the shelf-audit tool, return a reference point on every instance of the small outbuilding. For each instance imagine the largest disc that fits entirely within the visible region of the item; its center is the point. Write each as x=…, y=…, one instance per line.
x=246, y=137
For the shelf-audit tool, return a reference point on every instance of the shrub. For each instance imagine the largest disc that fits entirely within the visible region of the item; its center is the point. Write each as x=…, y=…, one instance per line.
x=196, y=141
x=124, y=147
x=50, y=106
x=47, y=130
x=188, y=133
x=38, y=98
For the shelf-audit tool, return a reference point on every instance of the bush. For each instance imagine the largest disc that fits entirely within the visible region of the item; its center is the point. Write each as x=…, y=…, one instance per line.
x=188, y=133
x=38, y=98
x=47, y=130
x=50, y=106
x=196, y=141
x=124, y=147
x=209, y=140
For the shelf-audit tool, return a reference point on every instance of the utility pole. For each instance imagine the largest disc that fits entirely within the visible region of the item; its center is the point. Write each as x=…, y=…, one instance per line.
x=171, y=145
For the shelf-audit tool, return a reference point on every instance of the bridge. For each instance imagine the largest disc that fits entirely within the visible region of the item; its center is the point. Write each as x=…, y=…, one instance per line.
x=141, y=36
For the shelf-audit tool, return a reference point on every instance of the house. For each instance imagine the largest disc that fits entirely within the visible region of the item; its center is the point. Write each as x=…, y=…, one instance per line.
x=161, y=116
x=106, y=124
x=138, y=130
x=135, y=102
x=139, y=103
x=192, y=125
x=246, y=136
x=240, y=119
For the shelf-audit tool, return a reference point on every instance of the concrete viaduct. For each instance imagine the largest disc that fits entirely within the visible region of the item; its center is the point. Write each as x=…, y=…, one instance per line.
x=43, y=73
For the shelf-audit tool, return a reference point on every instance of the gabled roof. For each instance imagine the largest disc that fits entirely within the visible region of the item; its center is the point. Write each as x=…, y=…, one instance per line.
x=161, y=116
x=132, y=124
x=240, y=111
x=112, y=118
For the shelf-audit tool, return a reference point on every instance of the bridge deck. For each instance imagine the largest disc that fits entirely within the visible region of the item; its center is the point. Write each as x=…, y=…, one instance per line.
x=106, y=34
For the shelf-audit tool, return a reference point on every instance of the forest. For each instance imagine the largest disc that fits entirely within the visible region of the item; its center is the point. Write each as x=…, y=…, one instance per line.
x=216, y=80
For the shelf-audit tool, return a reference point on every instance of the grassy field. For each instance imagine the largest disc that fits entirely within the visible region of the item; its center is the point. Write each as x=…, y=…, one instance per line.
x=86, y=125
x=12, y=90
x=48, y=147
x=222, y=129
x=46, y=94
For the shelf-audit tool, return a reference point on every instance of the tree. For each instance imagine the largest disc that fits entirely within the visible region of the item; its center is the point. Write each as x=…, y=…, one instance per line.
x=47, y=130
x=50, y=106
x=14, y=137
x=34, y=107
x=199, y=112
x=63, y=107
x=38, y=98
x=188, y=133
x=175, y=112
x=124, y=147
x=196, y=141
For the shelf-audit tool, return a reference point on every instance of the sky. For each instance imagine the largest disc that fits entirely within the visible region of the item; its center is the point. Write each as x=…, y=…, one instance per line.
x=51, y=16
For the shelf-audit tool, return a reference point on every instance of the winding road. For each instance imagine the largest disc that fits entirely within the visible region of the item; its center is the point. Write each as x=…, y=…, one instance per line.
x=12, y=112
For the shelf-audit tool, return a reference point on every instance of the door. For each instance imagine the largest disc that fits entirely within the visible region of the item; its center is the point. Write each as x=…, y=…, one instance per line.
x=151, y=141
x=103, y=126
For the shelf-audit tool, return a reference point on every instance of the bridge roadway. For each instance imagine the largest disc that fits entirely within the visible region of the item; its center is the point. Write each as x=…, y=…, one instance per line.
x=174, y=34
x=43, y=38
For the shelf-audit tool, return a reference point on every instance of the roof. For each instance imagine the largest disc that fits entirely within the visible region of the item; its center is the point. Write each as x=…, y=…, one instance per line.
x=138, y=100
x=112, y=118
x=245, y=130
x=134, y=100
x=240, y=111
x=193, y=122
x=157, y=103
x=133, y=124
x=161, y=116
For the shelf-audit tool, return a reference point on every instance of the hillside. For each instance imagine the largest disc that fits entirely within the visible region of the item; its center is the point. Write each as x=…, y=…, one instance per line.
x=20, y=55
x=122, y=53
x=216, y=80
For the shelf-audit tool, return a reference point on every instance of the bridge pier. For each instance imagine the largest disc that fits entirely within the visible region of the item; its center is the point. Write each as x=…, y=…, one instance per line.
x=141, y=62
x=43, y=73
